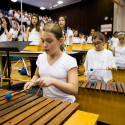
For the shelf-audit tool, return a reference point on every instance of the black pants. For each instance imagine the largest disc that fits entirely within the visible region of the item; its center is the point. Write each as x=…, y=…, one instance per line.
x=33, y=66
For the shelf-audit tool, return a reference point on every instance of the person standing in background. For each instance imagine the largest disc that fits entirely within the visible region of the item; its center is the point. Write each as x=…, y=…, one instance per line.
x=68, y=34
x=6, y=33
x=33, y=34
x=89, y=40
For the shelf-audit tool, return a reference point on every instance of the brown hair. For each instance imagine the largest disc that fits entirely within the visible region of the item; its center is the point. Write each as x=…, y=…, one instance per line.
x=37, y=25
x=56, y=30
x=99, y=35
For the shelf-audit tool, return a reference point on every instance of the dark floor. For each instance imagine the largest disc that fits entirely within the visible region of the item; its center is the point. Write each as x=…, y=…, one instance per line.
x=100, y=123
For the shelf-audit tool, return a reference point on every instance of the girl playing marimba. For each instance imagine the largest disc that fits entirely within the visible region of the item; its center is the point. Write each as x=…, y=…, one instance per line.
x=56, y=71
x=100, y=59
x=118, y=50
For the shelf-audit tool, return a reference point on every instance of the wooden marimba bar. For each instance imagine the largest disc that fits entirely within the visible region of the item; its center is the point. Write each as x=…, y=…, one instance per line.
x=107, y=100
x=25, y=109
x=102, y=86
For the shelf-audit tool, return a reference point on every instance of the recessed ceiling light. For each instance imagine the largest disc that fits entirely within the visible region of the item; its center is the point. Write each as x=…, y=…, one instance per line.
x=42, y=8
x=60, y=2
x=14, y=0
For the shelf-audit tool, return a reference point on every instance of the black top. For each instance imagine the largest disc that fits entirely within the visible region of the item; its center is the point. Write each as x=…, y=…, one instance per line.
x=14, y=46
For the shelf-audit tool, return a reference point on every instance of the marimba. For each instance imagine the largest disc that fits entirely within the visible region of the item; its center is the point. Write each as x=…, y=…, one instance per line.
x=34, y=48
x=119, y=75
x=107, y=100
x=25, y=109
x=80, y=47
x=77, y=46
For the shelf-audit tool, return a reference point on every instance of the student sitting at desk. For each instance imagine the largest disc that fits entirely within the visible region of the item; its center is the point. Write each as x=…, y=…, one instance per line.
x=56, y=71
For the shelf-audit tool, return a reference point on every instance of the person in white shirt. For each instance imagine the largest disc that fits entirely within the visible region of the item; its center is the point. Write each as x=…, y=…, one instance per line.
x=1, y=14
x=17, y=15
x=15, y=30
x=28, y=21
x=56, y=71
x=21, y=34
x=82, y=39
x=118, y=50
x=11, y=11
x=114, y=39
x=6, y=32
x=89, y=40
x=76, y=39
x=33, y=34
x=10, y=17
x=5, y=35
x=99, y=58
x=68, y=34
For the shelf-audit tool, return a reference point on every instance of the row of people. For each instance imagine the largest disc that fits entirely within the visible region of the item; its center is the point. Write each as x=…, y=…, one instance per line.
x=58, y=74
x=56, y=71
x=33, y=32
x=15, y=17
x=26, y=17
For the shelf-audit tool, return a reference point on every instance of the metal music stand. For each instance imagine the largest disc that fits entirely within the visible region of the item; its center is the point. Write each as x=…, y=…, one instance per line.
x=15, y=46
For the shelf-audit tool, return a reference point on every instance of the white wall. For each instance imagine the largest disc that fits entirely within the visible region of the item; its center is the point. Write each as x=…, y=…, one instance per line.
x=119, y=18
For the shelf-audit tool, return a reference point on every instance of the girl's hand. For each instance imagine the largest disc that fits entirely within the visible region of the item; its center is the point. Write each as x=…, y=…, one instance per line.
x=111, y=68
x=29, y=85
x=45, y=81
x=114, y=68
x=86, y=73
x=4, y=26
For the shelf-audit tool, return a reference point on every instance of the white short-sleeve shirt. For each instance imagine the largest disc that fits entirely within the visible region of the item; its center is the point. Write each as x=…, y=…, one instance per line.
x=4, y=37
x=15, y=34
x=34, y=36
x=76, y=40
x=114, y=40
x=59, y=71
x=11, y=12
x=89, y=40
x=119, y=55
x=70, y=33
x=99, y=60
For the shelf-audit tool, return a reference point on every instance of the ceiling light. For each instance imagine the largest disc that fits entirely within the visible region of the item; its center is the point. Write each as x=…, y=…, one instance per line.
x=14, y=0
x=60, y=2
x=42, y=8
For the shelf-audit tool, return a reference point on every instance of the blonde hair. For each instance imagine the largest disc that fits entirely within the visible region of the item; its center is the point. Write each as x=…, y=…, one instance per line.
x=56, y=30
